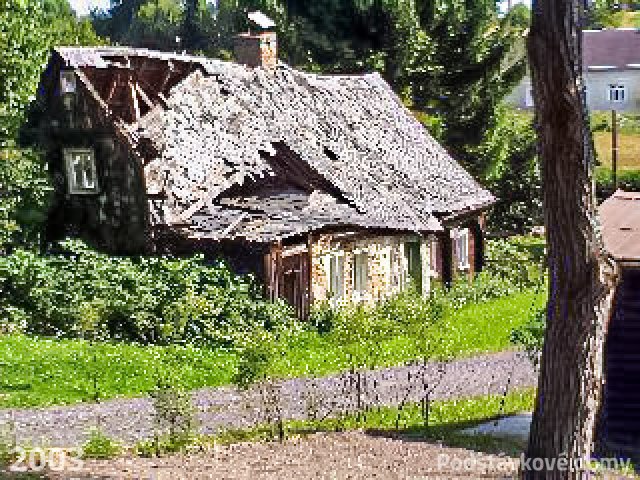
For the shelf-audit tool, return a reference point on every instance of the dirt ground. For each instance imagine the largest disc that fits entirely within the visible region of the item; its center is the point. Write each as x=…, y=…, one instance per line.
x=350, y=455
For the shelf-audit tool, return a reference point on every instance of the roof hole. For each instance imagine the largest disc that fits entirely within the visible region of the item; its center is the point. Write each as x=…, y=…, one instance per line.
x=331, y=154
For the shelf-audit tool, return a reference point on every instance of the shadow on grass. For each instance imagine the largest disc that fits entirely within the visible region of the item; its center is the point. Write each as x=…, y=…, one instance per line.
x=448, y=436
x=451, y=436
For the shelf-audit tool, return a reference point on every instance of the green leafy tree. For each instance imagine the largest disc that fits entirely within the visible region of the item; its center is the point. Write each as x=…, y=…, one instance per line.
x=24, y=43
x=512, y=171
x=24, y=195
x=29, y=30
x=468, y=59
x=157, y=24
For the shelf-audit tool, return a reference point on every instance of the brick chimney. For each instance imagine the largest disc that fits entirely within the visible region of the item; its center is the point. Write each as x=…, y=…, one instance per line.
x=259, y=46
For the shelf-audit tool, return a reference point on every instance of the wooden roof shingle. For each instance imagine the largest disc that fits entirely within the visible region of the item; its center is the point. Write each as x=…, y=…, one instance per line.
x=218, y=129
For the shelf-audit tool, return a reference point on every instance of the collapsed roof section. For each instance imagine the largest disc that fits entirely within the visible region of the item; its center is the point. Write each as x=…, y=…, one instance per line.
x=264, y=154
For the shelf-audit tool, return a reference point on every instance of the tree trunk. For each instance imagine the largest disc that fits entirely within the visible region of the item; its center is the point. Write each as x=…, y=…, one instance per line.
x=581, y=280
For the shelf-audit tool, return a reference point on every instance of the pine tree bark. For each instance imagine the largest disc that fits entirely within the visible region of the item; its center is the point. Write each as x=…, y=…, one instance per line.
x=582, y=279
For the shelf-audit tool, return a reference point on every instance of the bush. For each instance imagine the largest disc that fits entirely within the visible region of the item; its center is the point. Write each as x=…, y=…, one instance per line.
x=24, y=195
x=99, y=446
x=628, y=123
x=150, y=300
x=627, y=180
x=175, y=417
x=531, y=335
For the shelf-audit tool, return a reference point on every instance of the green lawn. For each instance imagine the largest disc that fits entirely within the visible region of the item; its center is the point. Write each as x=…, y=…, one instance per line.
x=38, y=372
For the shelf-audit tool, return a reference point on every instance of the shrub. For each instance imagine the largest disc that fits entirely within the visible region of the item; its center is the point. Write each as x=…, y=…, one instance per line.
x=323, y=316
x=518, y=261
x=100, y=446
x=159, y=300
x=25, y=193
x=175, y=417
x=531, y=335
x=627, y=180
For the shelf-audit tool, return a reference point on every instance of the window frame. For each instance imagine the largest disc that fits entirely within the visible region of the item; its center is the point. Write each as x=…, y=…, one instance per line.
x=462, y=245
x=70, y=166
x=68, y=84
x=336, y=277
x=619, y=87
x=360, y=273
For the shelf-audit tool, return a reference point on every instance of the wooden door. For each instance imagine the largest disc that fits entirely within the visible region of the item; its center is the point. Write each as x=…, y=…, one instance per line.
x=295, y=282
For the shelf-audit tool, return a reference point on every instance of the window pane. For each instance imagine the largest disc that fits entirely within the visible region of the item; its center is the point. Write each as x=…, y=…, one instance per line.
x=89, y=175
x=462, y=246
x=77, y=171
x=360, y=272
x=414, y=263
x=336, y=273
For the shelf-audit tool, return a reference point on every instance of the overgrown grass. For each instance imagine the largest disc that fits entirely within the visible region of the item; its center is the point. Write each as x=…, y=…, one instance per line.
x=446, y=419
x=39, y=372
x=628, y=150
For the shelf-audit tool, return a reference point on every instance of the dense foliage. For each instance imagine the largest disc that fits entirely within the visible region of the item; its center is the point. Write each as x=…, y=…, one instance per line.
x=454, y=60
x=82, y=293
x=24, y=194
x=512, y=173
x=512, y=266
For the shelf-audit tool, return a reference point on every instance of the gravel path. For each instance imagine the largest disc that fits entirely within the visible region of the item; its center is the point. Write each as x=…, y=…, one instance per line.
x=129, y=420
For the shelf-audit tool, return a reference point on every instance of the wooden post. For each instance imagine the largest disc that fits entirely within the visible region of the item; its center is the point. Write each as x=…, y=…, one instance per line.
x=614, y=149
x=447, y=257
x=477, y=230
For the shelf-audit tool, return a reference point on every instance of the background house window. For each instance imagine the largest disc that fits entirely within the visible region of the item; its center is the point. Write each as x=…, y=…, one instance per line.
x=81, y=170
x=360, y=272
x=617, y=93
x=336, y=276
x=462, y=248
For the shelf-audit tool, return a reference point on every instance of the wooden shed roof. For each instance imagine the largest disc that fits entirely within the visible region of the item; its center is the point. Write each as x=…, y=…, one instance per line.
x=620, y=219
x=218, y=129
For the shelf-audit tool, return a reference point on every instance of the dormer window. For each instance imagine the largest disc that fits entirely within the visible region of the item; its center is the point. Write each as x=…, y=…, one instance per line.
x=81, y=170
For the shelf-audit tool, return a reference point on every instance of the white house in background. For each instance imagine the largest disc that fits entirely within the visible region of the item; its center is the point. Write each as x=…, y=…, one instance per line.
x=611, y=62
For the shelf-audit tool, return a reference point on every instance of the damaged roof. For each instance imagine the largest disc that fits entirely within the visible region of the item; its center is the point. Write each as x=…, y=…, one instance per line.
x=219, y=128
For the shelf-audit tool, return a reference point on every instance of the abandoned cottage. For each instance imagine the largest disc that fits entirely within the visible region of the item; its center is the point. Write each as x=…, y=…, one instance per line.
x=325, y=187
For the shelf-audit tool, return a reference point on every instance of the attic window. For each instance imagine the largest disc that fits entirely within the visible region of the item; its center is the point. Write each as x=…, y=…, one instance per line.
x=67, y=82
x=81, y=170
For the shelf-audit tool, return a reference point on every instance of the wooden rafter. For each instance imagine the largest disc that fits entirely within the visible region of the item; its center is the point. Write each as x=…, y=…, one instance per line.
x=112, y=87
x=135, y=107
x=145, y=98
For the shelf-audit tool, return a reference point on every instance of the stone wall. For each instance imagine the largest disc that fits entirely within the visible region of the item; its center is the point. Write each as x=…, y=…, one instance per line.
x=387, y=265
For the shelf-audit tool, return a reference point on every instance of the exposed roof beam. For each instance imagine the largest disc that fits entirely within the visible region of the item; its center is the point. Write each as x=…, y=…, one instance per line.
x=134, y=102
